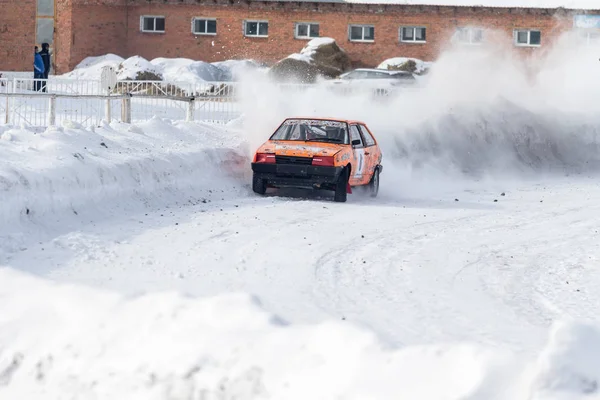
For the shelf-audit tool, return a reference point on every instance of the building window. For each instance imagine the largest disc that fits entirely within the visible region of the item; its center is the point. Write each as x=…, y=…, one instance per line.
x=525, y=37
x=204, y=26
x=306, y=30
x=256, y=28
x=362, y=33
x=469, y=35
x=590, y=37
x=412, y=34
x=152, y=23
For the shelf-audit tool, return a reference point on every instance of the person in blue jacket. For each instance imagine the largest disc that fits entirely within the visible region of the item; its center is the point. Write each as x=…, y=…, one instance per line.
x=38, y=70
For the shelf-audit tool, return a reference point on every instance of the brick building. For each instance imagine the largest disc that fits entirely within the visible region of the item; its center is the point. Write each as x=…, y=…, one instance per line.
x=268, y=30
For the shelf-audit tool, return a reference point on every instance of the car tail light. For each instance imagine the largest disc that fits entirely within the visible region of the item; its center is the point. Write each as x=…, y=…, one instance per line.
x=325, y=161
x=265, y=158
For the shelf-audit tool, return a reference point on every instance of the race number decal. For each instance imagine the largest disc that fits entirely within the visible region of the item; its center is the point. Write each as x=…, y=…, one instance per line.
x=360, y=158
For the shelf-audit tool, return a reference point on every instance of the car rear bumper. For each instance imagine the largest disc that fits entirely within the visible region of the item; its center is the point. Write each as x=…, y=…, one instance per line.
x=297, y=176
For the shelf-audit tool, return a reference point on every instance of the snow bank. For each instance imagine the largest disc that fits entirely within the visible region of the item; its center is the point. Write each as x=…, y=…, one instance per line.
x=569, y=368
x=310, y=49
x=69, y=170
x=133, y=67
x=65, y=341
x=91, y=67
x=174, y=70
x=186, y=70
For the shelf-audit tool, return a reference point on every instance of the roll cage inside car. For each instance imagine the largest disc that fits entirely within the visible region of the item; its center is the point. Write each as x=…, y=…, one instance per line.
x=331, y=131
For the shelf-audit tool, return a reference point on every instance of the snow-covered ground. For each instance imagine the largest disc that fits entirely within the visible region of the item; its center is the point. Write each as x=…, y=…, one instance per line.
x=137, y=263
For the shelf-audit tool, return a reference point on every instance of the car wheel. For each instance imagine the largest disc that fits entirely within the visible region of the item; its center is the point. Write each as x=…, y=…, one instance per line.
x=341, y=193
x=374, y=184
x=258, y=185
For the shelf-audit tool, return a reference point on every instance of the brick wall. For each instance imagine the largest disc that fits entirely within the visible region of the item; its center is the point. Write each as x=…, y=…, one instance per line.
x=63, y=36
x=89, y=28
x=95, y=27
x=441, y=22
x=17, y=35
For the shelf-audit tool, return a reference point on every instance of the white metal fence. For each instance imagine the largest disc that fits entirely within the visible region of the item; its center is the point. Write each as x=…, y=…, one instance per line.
x=39, y=103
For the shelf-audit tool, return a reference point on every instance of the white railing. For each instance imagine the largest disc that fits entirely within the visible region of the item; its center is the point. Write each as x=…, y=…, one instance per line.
x=47, y=102
x=25, y=101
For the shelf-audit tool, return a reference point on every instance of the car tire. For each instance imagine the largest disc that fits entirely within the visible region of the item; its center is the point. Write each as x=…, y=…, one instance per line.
x=374, y=183
x=258, y=185
x=341, y=193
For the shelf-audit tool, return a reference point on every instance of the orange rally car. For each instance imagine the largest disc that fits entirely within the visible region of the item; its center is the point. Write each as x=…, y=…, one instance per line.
x=319, y=153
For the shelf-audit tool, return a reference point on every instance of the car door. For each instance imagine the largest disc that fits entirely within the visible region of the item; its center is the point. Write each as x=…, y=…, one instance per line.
x=358, y=150
x=371, y=152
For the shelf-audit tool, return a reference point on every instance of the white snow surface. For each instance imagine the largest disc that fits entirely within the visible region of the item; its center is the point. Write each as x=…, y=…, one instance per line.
x=137, y=263
x=66, y=341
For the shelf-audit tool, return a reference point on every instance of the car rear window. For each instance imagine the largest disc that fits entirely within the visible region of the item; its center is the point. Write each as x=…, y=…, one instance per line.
x=312, y=130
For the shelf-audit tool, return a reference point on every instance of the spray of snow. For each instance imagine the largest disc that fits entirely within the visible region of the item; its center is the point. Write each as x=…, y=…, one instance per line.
x=480, y=113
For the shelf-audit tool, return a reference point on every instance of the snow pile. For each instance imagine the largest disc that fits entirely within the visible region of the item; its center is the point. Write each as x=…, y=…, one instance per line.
x=310, y=49
x=174, y=70
x=59, y=341
x=91, y=67
x=134, y=68
x=72, y=170
x=180, y=70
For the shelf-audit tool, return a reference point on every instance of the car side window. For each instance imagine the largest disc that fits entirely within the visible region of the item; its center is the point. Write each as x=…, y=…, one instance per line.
x=369, y=141
x=356, y=75
x=355, y=135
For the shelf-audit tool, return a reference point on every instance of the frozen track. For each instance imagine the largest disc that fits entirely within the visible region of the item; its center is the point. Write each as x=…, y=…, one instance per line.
x=415, y=271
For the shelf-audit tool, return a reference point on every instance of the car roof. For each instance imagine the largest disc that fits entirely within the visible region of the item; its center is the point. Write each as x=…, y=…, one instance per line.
x=348, y=121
